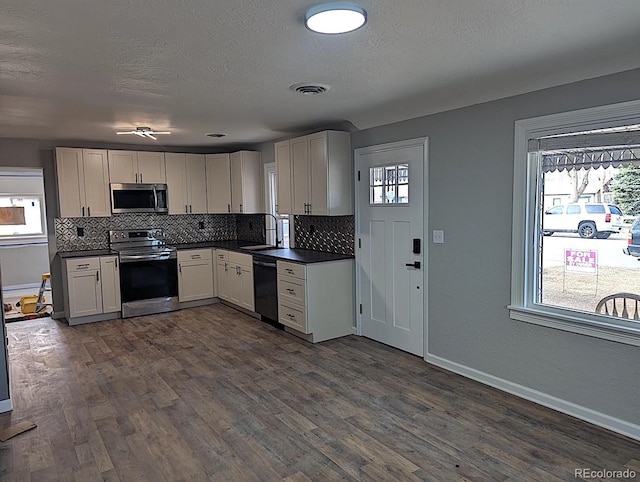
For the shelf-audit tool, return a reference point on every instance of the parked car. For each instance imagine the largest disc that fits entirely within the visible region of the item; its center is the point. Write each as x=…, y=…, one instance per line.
x=589, y=220
x=633, y=248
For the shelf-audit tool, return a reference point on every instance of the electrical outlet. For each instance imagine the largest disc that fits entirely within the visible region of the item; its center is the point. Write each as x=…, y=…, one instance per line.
x=80, y=231
x=438, y=236
x=201, y=224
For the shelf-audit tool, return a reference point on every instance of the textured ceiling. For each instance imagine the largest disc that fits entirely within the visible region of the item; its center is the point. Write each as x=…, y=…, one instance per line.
x=73, y=69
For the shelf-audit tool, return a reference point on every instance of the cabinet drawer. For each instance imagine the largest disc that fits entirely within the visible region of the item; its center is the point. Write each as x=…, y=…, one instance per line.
x=291, y=289
x=292, y=269
x=83, y=264
x=240, y=258
x=222, y=255
x=194, y=255
x=293, y=316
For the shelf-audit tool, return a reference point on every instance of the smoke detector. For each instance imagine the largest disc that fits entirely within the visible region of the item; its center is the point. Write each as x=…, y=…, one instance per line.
x=310, y=88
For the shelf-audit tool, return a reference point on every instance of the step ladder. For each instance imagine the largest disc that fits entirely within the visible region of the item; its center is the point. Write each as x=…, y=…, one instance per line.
x=46, y=277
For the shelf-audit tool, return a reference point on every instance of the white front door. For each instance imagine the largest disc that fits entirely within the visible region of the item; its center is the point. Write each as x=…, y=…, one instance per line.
x=390, y=251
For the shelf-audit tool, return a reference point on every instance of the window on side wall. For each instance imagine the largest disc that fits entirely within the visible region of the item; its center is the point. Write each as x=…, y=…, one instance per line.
x=569, y=256
x=21, y=216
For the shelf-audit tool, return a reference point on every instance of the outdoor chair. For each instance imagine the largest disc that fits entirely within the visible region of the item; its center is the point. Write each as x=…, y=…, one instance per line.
x=623, y=305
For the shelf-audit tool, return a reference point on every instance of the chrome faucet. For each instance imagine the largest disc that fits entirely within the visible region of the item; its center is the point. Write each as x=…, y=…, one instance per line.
x=275, y=220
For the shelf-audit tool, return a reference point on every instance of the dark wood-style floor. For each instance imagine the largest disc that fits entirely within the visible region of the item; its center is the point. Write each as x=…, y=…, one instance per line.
x=211, y=394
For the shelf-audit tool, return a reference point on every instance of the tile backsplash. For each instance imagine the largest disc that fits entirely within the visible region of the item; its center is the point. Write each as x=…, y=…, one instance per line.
x=179, y=228
x=331, y=234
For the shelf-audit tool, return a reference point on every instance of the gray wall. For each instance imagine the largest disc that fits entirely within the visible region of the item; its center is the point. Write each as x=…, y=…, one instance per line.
x=470, y=198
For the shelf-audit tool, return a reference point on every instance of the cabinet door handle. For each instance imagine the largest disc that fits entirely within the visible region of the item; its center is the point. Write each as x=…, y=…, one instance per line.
x=116, y=263
x=290, y=290
x=226, y=268
x=83, y=211
x=186, y=208
x=136, y=177
x=89, y=211
x=179, y=268
x=289, y=315
x=277, y=212
x=190, y=208
x=228, y=208
x=97, y=276
x=240, y=207
x=140, y=177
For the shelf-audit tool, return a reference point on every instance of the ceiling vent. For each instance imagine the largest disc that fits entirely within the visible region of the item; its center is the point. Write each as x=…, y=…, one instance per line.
x=215, y=134
x=309, y=88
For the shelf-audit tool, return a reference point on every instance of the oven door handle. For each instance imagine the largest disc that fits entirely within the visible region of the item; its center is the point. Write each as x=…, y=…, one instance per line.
x=132, y=258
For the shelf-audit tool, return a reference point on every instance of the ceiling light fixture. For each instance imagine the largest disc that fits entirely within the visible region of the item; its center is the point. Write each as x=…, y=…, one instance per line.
x=145, y=132
x=337, y=17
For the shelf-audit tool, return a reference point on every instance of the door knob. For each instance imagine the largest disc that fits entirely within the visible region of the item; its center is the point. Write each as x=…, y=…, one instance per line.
x=415, y=265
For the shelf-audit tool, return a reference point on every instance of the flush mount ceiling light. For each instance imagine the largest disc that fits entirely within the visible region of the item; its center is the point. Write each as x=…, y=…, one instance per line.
x=337, y=17
x=145, y=132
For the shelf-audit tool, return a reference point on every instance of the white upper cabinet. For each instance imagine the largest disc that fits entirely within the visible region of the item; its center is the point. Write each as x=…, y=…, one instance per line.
x=218, y=167
x=320, y=174
x=283, y=177
x=246, y=186
x=300, y=189
x=137, y=167
x=186, y=182
x=83, y=182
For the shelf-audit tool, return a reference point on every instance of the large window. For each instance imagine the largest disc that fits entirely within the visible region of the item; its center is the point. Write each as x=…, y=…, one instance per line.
x=576, y=200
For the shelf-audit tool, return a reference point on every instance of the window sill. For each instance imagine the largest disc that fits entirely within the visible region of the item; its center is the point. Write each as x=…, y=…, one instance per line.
x=18, y=241
x=582, y=326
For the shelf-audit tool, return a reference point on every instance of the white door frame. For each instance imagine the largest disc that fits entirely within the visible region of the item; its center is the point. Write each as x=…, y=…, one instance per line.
x=358, y=153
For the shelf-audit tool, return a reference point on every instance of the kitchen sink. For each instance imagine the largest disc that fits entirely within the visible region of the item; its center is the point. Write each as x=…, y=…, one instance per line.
x=258, y=247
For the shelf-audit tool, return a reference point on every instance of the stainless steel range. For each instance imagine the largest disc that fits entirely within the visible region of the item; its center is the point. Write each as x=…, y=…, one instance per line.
x=148, y=271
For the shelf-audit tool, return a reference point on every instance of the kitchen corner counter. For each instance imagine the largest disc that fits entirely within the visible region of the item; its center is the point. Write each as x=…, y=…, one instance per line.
x=302, y=255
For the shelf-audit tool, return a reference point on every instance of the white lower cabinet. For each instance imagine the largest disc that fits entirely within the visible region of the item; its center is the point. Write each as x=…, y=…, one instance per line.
x=235, y=278
x=92, y=290
x=110, y=281
x=85, y=290
x=195, y=275
x=316, y=299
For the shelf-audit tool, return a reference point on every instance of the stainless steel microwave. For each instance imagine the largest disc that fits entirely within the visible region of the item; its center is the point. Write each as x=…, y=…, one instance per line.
x=139, y=198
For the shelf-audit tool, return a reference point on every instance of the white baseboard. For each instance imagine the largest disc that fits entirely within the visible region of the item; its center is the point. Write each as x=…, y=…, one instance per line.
x=592, y=416
x=6, y=405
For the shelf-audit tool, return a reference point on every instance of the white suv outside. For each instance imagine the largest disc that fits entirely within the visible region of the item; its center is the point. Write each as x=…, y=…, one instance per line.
x=589, y=220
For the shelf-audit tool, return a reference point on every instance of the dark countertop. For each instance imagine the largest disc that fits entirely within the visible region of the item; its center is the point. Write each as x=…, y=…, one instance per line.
x=294, y=255
x=86, y=253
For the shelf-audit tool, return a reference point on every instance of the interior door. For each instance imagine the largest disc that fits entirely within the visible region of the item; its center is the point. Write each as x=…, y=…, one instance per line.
x=391, y=259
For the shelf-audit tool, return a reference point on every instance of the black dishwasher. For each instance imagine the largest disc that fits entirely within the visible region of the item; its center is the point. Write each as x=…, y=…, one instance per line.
x=265, y=284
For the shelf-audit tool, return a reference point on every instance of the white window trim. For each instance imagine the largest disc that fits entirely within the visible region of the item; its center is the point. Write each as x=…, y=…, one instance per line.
x=523, y=224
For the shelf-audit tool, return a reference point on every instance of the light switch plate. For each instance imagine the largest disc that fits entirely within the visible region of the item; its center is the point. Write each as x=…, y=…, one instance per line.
x=438, y=236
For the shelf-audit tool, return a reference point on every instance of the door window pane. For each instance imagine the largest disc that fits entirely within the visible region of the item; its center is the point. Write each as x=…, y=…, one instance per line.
x=389, y=184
